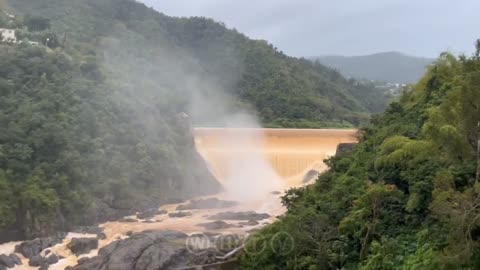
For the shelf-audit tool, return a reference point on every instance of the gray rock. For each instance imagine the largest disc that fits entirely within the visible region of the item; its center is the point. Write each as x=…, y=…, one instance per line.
x=127, y=220
x=88, y=229
x=151, y=213
x=249, y=223
x=16, y=259
x=147, y=250
x=250, y=215
x=52, y=259
x=206, y=204
x=32, y=248
x=101, y=236
x=216, y=225
x=148, y=221
x=310, y=175
x=80, y=246
x=37, y=260
x=179, y=214
x=7, y=261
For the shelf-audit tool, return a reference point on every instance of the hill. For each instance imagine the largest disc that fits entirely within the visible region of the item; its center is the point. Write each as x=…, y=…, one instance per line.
x=392, y=67
x=92, y=102
x=162, y=51
x=406, y=197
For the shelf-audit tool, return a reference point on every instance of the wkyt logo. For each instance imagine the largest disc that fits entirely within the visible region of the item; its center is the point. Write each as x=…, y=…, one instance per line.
x=280, y=243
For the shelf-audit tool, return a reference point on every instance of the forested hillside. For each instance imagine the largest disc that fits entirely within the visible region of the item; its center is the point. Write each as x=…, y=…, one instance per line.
x=92, y=102
x=142, y=47
x=392, y=67
x=406, y=197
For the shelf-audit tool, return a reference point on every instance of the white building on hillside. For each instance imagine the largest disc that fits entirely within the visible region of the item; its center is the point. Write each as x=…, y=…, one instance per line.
x=8, y=35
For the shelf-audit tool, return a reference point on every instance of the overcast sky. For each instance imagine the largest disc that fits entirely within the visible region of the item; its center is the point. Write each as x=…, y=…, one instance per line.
x=344, y=27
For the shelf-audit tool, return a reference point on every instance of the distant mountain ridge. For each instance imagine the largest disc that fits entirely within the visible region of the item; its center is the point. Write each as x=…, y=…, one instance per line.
x=394, y=67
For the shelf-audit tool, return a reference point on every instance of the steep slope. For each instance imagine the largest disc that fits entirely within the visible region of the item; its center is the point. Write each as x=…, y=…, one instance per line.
x=76, y=150
x=393, y=67
x=406, y=197
x=201, y=56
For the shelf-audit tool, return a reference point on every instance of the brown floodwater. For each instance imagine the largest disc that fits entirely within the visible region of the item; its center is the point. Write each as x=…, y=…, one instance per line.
x=255, y=166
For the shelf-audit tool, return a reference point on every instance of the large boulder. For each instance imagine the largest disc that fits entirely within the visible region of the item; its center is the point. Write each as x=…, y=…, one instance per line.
x=250, y=215
x=7, y=261
x=16, y=260
x=32, y=248
x=37, y=260
x=142, y=251
x=80, y=246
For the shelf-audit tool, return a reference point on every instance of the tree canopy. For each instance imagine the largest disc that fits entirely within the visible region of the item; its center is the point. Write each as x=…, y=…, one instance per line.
x=406, y=197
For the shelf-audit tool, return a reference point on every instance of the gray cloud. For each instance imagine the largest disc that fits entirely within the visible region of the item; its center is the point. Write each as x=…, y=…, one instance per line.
x=344, y=27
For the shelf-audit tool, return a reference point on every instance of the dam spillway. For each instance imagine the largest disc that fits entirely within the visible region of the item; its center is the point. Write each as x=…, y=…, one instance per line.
x=291, y=153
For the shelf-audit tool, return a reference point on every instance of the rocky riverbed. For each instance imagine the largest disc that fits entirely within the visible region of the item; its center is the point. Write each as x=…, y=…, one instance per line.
x=156, y=238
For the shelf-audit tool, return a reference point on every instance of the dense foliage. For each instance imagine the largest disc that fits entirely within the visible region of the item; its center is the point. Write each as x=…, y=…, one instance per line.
x=72, y=146
x=202, y=56
x=407, y=197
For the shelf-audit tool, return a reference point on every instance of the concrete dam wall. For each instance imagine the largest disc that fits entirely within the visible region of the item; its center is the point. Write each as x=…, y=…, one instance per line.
x=292, y=154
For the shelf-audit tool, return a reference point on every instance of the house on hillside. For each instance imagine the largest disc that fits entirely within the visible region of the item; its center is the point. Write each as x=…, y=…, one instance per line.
x=8, y=35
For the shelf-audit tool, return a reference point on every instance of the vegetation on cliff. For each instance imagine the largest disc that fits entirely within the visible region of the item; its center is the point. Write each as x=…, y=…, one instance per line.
x=73, y=147
x=407, y=196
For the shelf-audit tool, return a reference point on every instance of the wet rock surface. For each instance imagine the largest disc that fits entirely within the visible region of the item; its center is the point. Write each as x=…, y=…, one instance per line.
x=249, y=223
x=101, y=236
x=310, y=175
x=9, y=261
x=216, y=225
x=151, y=213
x=127, y=220
x=88, y=230
x=80, y=246
x=179, y=214
x=206, y=204
x=146, y=250
x=250, y=215
x=32, y=248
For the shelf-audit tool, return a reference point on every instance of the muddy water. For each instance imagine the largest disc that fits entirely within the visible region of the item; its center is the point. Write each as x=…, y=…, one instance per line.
x=290, y=152
x=250, y=164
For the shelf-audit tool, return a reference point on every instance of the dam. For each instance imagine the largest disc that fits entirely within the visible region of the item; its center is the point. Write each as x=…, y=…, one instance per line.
x=292, y=153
